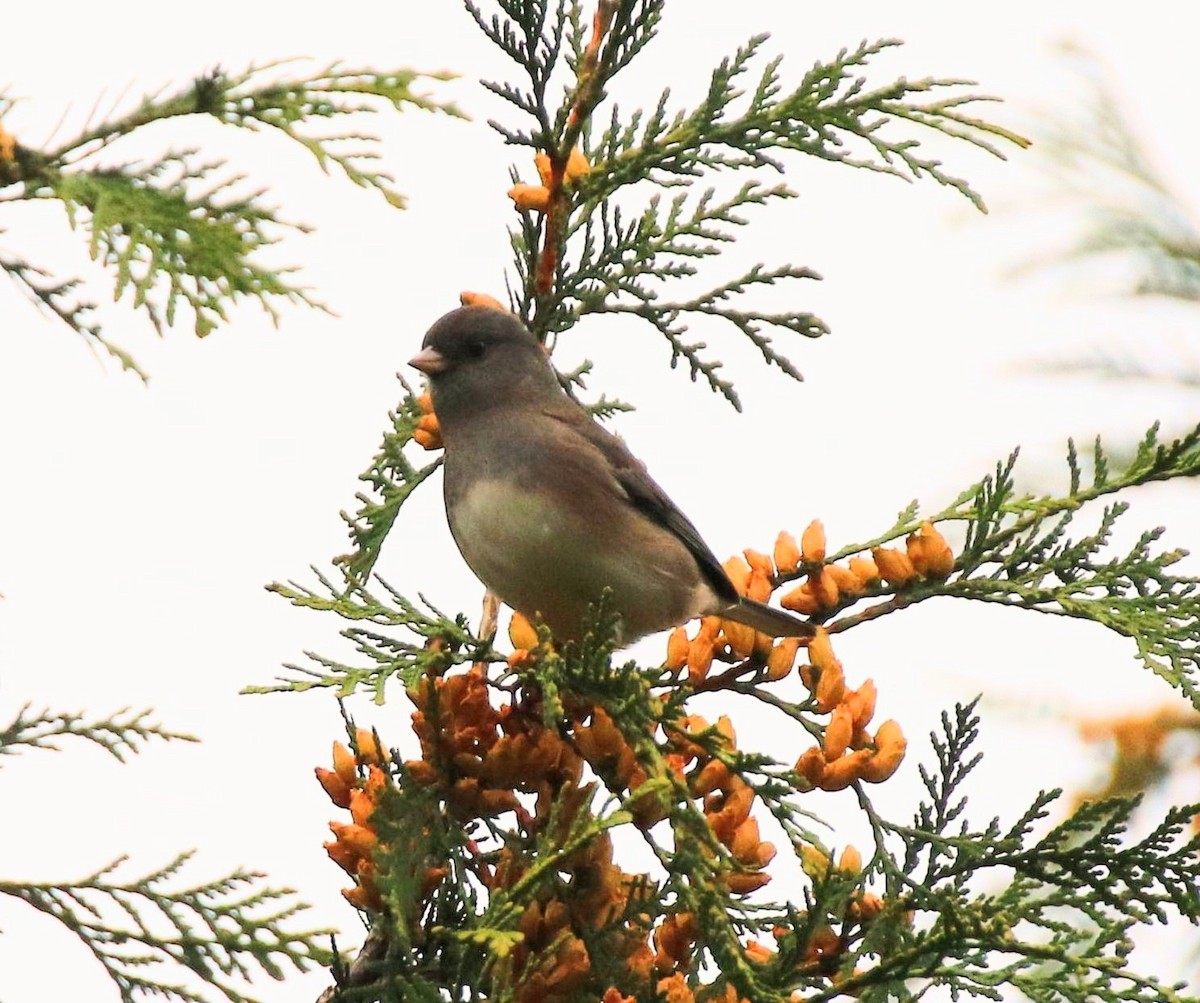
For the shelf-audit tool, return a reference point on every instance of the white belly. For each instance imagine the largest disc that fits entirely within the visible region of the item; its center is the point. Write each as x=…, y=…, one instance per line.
x=545, y=563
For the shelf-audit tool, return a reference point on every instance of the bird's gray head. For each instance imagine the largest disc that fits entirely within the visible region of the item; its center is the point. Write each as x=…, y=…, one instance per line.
x=477, y=357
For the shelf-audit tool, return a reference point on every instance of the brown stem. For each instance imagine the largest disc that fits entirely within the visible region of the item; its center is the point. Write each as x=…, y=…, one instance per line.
x=587, y=95
x=730, y=675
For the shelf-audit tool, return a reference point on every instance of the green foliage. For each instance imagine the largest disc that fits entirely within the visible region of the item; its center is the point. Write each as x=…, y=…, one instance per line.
x=618, y=264
x=220, y=931
x=1058, y=924
x=1055, y=919
x=388, y=657
x=1017, y=553
x=942, y=902
x=392, y=477
x=178, y=230
x=119, y=734
x=147, y=228
x=181, y=230
x=603, y=264
x=1047, y=911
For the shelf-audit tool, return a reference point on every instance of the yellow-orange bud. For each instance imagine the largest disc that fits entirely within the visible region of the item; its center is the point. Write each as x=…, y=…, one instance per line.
x=337, y=789
x=361, y=807
x=533, y=197
x=841, y=773
x=468, y=298
x=759, y=587
x=522, y=633
x=787, y=553
x=850, y=861
x=740, y=883
x=757, y=953
x=739, y=573
x=734, y=810
x=577, y=165
x=831, y=687
x=823, y=587
x=801, y=600
x=369, y=751
x=677, y=649
x=930, y=553
x=8, y=146
x=811, y=764
x=363, y=897
x=861, y=703
x=360, y=838
x=812, y=541
x=744, y=844
x=782, y=658
x=820, y=650
x=740, y=638
x=428, y=433
x=725, y=730
x=866, y=907
x=838, y=732
x=890, y=746
x=713, y=776
x=344, y=764
x=889, y=735
x=520, y=657
x=814, y=862
x=377, y=781
x=762, y=646
x=699, y=658
x=864, y=569
x=542, y=162
x=846, y=580
x=895, y=568
x=342, y=855
x=759, y=562
x=763, y=854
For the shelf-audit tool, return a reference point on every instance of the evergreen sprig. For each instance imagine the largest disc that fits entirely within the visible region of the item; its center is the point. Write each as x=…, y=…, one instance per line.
x=442, y=641
x=514, y=744
x=601, y=264
x=179, y=230
x=221, y=931
x=825, y=115
x=392, y=478
x=119, y=734
x=60, y=299
x=621, y=266
x=149, y=229
x=1058, y=928
x=1017, y=553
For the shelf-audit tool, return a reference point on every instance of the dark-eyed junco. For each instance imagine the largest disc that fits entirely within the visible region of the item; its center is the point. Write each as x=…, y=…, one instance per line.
x=548, y=508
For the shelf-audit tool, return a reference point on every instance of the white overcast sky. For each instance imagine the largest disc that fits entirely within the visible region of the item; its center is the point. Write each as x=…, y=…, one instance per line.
x=138, y=525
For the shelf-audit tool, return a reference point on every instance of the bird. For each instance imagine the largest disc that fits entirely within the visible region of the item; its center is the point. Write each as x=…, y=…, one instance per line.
x=548, y=508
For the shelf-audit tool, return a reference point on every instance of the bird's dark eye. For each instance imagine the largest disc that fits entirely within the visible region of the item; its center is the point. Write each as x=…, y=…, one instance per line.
x=475, y=349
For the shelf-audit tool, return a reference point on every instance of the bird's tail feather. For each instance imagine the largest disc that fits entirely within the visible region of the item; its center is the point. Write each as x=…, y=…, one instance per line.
x=768, y=619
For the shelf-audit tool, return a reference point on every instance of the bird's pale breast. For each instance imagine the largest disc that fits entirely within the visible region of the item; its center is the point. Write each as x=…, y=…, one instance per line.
x=543, y=558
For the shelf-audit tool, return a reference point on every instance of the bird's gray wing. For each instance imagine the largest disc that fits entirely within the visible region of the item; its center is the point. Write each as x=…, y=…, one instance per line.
x=643, y=492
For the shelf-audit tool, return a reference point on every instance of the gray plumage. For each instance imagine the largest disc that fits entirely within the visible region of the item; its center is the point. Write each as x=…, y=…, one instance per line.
x=548, y=508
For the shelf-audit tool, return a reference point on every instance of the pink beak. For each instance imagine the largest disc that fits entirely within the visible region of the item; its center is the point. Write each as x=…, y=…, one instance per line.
x=429, y=361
